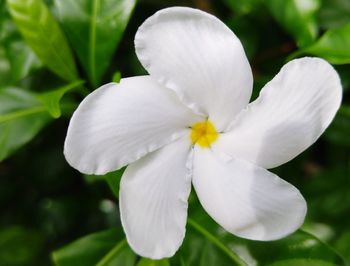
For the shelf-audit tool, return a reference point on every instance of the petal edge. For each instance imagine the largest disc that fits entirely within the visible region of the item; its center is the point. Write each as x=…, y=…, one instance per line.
x=290, y=114
x=119, y=123
x=153, y=200
x=245, y=199
x=196, y=55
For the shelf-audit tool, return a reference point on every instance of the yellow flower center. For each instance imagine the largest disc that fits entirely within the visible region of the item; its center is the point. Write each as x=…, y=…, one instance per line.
x=203, y=133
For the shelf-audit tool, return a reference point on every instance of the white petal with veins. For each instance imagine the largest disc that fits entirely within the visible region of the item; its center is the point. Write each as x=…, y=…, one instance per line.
x=153, y=200
x=200, y=58
x=290, y=114
x=119, y=123
x=245, y=199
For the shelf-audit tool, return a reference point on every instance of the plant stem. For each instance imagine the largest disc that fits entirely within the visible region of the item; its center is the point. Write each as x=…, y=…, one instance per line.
x=217, y=243
x=112, y=253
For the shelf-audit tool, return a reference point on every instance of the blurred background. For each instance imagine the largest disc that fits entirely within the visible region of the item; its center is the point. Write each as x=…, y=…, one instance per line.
x=45, y=204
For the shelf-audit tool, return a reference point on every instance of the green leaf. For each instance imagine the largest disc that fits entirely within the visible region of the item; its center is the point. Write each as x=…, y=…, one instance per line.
x=113, y=180
x=5, y=67
x=343, y=245
x=206, y=243
x=300, y=246
x=101, y=249
x=22, y=116
x=334, y=13
x=298, y=18
x=302, y=262
x=94, y=29
x=16, y=58
x=19, y=246
x=149, y=262
x=43, y=34
x=52, y=99
x=333, y=46
x=204, y=246
x=16, y=61
x=120, y=255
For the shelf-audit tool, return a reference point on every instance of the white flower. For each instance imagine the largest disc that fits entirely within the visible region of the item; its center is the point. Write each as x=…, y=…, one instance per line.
x=191, y=121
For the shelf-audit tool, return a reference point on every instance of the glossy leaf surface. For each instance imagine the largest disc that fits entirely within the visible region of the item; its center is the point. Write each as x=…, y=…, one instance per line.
x=103, y=248
x=22, y=116
x=149, y=262
x=334, y=45
x=296, y=17
x=52, y=99
x=94, y=29
x=17, y=60
x=44, y=35
x=334, y=13
x=206, y=243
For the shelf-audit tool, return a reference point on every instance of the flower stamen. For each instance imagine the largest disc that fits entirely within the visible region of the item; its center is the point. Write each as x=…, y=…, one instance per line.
x=203, y=133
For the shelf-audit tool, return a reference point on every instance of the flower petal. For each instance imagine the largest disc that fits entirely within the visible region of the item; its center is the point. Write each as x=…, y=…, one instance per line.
x=200, y=58
x=292, y=111
x=119, y=123
x=153, y=200
x=245, y=199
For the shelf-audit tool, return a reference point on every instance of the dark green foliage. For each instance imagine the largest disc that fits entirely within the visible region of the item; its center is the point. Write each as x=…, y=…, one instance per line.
x=21, y=118
x=94, y=28
x=104, y=248
x=43, y=34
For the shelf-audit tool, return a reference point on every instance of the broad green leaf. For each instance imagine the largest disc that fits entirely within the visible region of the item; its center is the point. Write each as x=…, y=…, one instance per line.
x=19, y=246
x=323, y=232
x=22, y=116
x=300, y=246
x=297, y=17
x=43, y=34
x=204, y=245
x=302, y=262
x=51, y=99
x=205, y=239
x=334, y=13
x=106, y=248
x=16, y=58
x=343, y=245
x=94, y=29
x=334, y=45
x=149, y=262
x=120, y=255
x=16, y=61
x=5, y=67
